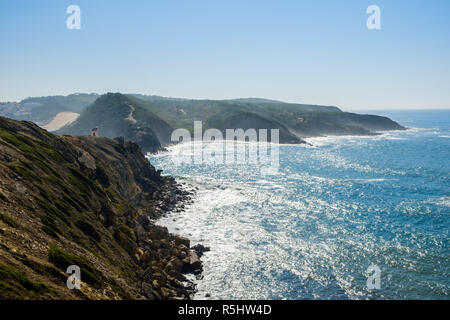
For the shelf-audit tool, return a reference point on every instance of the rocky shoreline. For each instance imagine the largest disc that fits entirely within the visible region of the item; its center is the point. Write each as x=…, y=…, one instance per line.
x=90, y=202
x=176, y=255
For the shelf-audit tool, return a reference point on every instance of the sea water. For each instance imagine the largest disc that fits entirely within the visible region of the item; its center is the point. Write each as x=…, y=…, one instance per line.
x=334, y=209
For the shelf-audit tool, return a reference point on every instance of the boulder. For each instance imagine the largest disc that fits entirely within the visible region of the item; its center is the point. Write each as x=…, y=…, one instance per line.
x=182, y=241
x=146, y=257
x=194, y=261
x=182, y=255
x=87, y=160
x=157, y=233
x=175, y=264
x=159, y=278
x=199, y=249
x=176, y=275
x=165, y=293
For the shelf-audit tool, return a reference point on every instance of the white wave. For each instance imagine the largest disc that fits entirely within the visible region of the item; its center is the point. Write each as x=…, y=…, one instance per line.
x=383, y=135
x=442, y=201
x=372, y=180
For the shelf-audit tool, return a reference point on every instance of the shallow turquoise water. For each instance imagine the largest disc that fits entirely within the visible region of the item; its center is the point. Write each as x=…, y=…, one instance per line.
x=312, y=230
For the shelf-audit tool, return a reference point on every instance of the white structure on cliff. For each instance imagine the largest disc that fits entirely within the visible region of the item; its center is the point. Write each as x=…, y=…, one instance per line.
x=94, y=132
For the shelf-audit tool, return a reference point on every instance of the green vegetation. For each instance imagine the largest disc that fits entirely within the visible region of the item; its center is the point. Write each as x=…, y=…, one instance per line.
x=181, y=113
x=88, y=229
x=63, y=207
x=119, y=148
x=49, y=226
x=50, y=231
x=111, y=113
x=21, y=170
x=8, y=220
x=53, y=211
x=53, y=218
x=14, y=284
x=79, y=180
x=156, y=116
x=33, y=149
x=78, y=205
x=19, y=141
x=43, y=192
x=124, y=237
x=118, y=289
x=63, y=259
x=86, y=213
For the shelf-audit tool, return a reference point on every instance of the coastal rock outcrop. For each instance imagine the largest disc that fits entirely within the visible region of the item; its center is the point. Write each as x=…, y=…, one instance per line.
x=89, y=202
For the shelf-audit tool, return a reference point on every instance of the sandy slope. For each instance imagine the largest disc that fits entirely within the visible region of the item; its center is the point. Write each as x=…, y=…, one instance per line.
x=60, y=120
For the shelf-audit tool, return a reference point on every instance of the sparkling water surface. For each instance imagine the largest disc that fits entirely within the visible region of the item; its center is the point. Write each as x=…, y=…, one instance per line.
x=335, y=208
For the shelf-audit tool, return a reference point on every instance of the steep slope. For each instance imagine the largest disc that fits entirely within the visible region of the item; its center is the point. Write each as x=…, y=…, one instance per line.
x=117, y=115
x=85, y=201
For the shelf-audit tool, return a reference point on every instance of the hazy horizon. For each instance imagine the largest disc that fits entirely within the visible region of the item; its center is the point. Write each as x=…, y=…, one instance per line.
x=343, y=108
x=318, y=53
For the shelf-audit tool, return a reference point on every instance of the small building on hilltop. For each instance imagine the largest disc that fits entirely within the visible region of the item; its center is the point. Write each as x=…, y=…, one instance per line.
x=94, y=132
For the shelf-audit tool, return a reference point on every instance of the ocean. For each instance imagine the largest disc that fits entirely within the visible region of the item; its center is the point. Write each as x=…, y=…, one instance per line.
x=333, y=210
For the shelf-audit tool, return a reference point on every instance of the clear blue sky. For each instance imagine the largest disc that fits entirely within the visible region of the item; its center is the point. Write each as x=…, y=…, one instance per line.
x=316, y=52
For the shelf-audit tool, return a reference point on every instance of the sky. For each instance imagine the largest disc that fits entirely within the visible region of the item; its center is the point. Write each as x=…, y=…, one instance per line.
x=315, y=52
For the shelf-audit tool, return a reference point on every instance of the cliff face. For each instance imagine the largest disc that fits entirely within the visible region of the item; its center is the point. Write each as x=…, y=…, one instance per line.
x=85, y=201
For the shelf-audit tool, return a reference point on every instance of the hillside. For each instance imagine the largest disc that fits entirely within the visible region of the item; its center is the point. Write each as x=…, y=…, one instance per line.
x=248, y=120
x=42, y=110
x=117, y=115
x=150, y=120
x=86, y=201
x=300, y=120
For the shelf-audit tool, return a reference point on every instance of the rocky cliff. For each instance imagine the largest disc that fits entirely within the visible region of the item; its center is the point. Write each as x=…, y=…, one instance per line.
x=88, y=202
